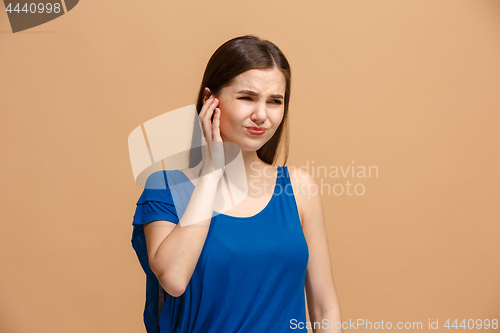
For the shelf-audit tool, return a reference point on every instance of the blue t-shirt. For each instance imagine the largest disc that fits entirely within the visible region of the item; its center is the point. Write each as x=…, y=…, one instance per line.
x=250, y=275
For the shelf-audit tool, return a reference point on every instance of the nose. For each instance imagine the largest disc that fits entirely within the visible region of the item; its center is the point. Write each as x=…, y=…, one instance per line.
x=259, y=114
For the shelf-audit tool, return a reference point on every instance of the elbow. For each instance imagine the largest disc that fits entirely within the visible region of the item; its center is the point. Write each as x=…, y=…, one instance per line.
x=176, y=293
x=172, y=285
x=171, y=282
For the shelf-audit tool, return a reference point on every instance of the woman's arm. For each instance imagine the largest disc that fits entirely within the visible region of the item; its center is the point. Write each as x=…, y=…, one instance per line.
x=322, y=300
x=174, y=250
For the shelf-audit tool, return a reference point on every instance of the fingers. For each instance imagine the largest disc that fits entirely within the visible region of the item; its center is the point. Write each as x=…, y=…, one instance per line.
x=216, y=126
x=205, y=105
x=206, y=116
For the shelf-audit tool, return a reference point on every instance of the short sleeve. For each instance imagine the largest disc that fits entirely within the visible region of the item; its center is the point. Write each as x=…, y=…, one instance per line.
x=154, y=211
x=156, y=201
x=165, y=197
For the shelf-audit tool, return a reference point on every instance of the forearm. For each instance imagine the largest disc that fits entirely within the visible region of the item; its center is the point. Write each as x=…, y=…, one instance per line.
x=332, y=321
x=178, y=254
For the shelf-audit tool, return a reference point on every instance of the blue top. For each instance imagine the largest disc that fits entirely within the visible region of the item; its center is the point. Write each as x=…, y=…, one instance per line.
x=250, y=275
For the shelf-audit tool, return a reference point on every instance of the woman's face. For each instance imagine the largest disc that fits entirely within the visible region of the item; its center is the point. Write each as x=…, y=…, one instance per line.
x=254, y=99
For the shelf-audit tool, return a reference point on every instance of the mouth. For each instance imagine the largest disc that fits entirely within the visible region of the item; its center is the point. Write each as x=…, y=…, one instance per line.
x=256, y=130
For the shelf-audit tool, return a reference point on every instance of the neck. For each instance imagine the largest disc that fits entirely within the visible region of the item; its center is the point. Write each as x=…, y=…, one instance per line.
x=251, y=160
x=253, y=164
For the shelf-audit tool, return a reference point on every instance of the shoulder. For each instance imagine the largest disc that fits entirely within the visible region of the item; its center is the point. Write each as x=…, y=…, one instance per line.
x=158, y=187
x=301, y=177
x=157, y=180
x=304, y=189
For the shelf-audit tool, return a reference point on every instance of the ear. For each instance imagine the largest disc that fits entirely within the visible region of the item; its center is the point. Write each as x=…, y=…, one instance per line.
x=206, y=94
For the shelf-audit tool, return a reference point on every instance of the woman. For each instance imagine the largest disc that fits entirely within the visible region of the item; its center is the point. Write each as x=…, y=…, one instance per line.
x=244, y=270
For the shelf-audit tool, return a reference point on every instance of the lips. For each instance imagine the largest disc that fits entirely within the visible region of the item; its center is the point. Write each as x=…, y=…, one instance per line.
x=256, y=130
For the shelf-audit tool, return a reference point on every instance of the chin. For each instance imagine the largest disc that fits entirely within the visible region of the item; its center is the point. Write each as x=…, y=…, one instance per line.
x=249, y=148
x=252, y=146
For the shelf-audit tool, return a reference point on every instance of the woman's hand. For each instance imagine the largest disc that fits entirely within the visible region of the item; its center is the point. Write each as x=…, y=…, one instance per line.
x=213, y=160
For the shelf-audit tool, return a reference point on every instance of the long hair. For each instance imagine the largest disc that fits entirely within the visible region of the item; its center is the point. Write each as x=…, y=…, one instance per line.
x=239, y=55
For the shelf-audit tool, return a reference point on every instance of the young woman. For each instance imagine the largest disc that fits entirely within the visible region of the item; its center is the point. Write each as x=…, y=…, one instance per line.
x=243, y=270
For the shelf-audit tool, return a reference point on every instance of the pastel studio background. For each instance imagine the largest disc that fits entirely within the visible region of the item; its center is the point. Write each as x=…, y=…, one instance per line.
x=408, y=86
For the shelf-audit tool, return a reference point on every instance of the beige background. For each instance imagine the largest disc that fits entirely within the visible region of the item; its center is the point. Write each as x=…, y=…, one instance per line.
x=411, y=87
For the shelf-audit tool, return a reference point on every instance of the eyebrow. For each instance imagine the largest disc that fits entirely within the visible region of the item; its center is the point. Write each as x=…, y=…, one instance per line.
x=253, y=93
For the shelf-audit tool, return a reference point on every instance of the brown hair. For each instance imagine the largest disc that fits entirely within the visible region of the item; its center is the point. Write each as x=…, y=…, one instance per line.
x=239, y=55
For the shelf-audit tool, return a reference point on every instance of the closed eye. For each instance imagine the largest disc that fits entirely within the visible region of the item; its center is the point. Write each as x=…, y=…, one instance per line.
x=275, y=101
